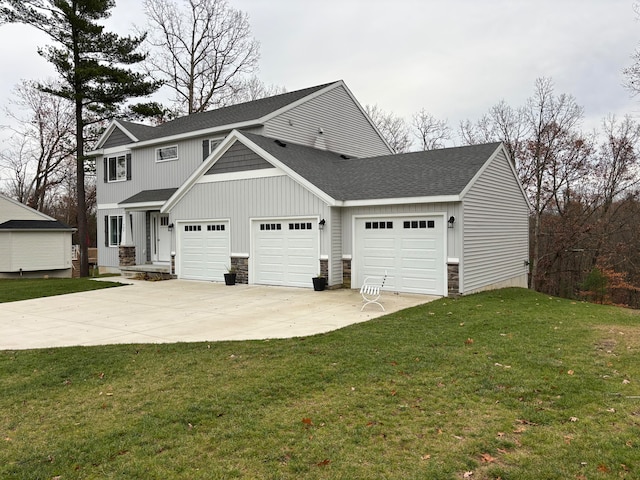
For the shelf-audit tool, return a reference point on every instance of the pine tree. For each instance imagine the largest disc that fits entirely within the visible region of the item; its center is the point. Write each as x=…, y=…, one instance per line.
x=94, y=69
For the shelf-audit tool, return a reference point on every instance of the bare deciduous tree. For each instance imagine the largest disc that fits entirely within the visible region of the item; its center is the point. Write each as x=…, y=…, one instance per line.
x=394, y=129
x=202, y=50
x=431, y=132
x=41, y=143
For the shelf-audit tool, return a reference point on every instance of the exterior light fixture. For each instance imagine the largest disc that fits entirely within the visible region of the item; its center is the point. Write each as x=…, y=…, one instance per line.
x=451, y=221
x=170, y=226
x=321, y=224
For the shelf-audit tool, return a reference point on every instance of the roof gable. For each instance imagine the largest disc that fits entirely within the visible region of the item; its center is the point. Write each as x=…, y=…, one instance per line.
x=222, y=119
x=11, y=209
x=437, y=175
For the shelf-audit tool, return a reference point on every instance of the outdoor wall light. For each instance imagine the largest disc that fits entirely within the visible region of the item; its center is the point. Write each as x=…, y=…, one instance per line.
x=170, y=226
x=321, y=224
x=451, y=221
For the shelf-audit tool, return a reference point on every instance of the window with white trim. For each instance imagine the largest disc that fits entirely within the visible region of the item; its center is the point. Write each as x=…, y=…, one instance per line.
x=115, y=230
x=117, y=168
x=166, y=154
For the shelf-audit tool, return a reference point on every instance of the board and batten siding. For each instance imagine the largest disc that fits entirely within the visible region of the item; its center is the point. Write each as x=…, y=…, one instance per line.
x=335, y=247
x=345, y=127
x=239, y=201
x=454, y=238
x=496, y=230
x=109, y=256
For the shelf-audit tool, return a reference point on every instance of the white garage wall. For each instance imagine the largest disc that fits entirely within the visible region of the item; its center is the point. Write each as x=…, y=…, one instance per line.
x=33, y=251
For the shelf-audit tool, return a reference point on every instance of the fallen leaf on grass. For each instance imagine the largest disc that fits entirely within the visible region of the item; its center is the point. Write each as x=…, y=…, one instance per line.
x=570, y=372
x=324, y=463
x=307, y=421
x=626, y=382
x=425, y=457
x=468, y=341
x=603, y=468
x=487, y=458
x=393, y=393
x=467, y=474
x=573, y=419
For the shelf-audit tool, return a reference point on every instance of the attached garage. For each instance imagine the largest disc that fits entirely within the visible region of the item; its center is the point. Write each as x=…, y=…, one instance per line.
x=204, y=250
x=410, y=249
x=285, y=251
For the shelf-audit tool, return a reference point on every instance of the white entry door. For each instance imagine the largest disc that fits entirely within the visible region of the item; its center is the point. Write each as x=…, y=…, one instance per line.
x=411, y=250
x=285, y=252
x=160, y=238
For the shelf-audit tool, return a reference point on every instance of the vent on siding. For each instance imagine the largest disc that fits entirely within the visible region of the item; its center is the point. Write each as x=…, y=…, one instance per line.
x=280, y=143
x=346, y=157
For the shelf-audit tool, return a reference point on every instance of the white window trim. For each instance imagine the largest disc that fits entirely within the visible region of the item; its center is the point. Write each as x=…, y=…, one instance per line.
x=172, y=159
x=116, y=180
x=121, y=217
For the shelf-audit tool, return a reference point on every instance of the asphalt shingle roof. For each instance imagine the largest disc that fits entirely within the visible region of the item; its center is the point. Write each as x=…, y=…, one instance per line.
x=160, y=195
x=419, y=174
x=34, y=225
x=233, y=114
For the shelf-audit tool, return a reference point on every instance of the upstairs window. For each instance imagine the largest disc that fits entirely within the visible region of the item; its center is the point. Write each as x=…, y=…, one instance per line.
x=118, y=168
x=166, y=154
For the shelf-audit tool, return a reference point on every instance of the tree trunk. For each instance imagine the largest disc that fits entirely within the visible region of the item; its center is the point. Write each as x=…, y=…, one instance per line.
x=83, y=234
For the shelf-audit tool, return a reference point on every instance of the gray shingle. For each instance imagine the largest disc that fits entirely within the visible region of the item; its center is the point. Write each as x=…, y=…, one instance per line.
x=239, y=113
x=160, y=195
x=34, y=225
x=419, y=174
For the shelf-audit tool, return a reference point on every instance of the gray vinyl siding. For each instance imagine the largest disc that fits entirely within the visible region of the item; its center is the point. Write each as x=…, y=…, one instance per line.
x=496, y=229
x=240, y=201
x=238, y=159
x=346, y=128
x=108, y=256
x=454, y=237
x=335, y=255
x=116, y=139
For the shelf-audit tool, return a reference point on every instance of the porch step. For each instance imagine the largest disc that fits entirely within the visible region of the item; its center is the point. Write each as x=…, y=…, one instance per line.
x=147, y=272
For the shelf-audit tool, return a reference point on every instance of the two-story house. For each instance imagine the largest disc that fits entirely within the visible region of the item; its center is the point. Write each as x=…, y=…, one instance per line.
x=300, y=184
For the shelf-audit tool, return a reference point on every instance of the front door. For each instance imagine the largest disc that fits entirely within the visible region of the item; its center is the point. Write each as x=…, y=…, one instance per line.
x=160, y=238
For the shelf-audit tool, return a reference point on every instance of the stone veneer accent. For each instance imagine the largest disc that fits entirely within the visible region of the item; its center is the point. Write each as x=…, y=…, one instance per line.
x=127, y=256
x=241, y=266
x=324, y=269
x=346, y=273
x=453, y=278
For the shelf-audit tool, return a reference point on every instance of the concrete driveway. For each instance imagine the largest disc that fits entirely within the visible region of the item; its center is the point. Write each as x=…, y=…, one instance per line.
x=184, y=311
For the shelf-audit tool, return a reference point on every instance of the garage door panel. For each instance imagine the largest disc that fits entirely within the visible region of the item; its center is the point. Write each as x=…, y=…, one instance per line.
x=412, y=253
x=283, y=255
x=204, y=250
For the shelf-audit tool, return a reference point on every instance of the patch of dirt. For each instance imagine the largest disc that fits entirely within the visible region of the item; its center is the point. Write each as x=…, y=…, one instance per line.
x=615, y=337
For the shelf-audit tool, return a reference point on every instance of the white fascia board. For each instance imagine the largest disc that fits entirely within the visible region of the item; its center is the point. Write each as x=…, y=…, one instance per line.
x=108, y=206
x=198, y=133
x=300, y=101
x=141, y=206
x=400, y=201
x=201, y=170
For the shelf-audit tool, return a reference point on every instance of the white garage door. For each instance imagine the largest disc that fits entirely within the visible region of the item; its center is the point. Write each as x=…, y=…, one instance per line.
x=285, y=252
x=411, y=250
x=204, y=250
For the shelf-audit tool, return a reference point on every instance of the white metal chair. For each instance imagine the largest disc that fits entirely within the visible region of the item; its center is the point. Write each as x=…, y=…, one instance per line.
x=371, y=290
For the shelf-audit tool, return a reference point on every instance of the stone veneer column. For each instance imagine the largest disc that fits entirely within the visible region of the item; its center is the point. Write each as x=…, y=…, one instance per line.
x=324, y=269
x=346, y=272
x=241, y=266
x=453, y=278
x=127, y=255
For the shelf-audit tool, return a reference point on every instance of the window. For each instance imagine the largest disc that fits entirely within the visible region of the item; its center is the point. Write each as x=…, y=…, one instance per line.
x=378, y=225
x=300, y=226
x=193, y=228
x=270, y=226
x=215, y=228
x=420, y=224
x=166, y=154
x=115, y=230
x=117, y=168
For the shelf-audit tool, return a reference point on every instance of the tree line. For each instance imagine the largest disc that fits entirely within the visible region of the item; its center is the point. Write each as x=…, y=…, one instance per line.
x=582, y=186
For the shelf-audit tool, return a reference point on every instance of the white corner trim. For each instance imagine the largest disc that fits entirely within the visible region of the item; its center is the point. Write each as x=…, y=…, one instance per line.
x=453, y=260
x=346, y=257
x=109, y=206
x=249, y=174
x=324, y=257
x=239, y=255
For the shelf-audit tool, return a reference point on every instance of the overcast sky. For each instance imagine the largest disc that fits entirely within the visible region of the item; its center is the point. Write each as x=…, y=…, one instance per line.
x=454, y=58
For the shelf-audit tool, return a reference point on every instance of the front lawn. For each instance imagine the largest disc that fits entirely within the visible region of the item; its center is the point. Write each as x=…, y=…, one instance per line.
x=12, y=290
x=508, y=384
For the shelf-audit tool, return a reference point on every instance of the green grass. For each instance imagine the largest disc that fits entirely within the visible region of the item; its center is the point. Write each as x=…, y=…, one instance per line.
x=12, y=290
x=508, y=384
